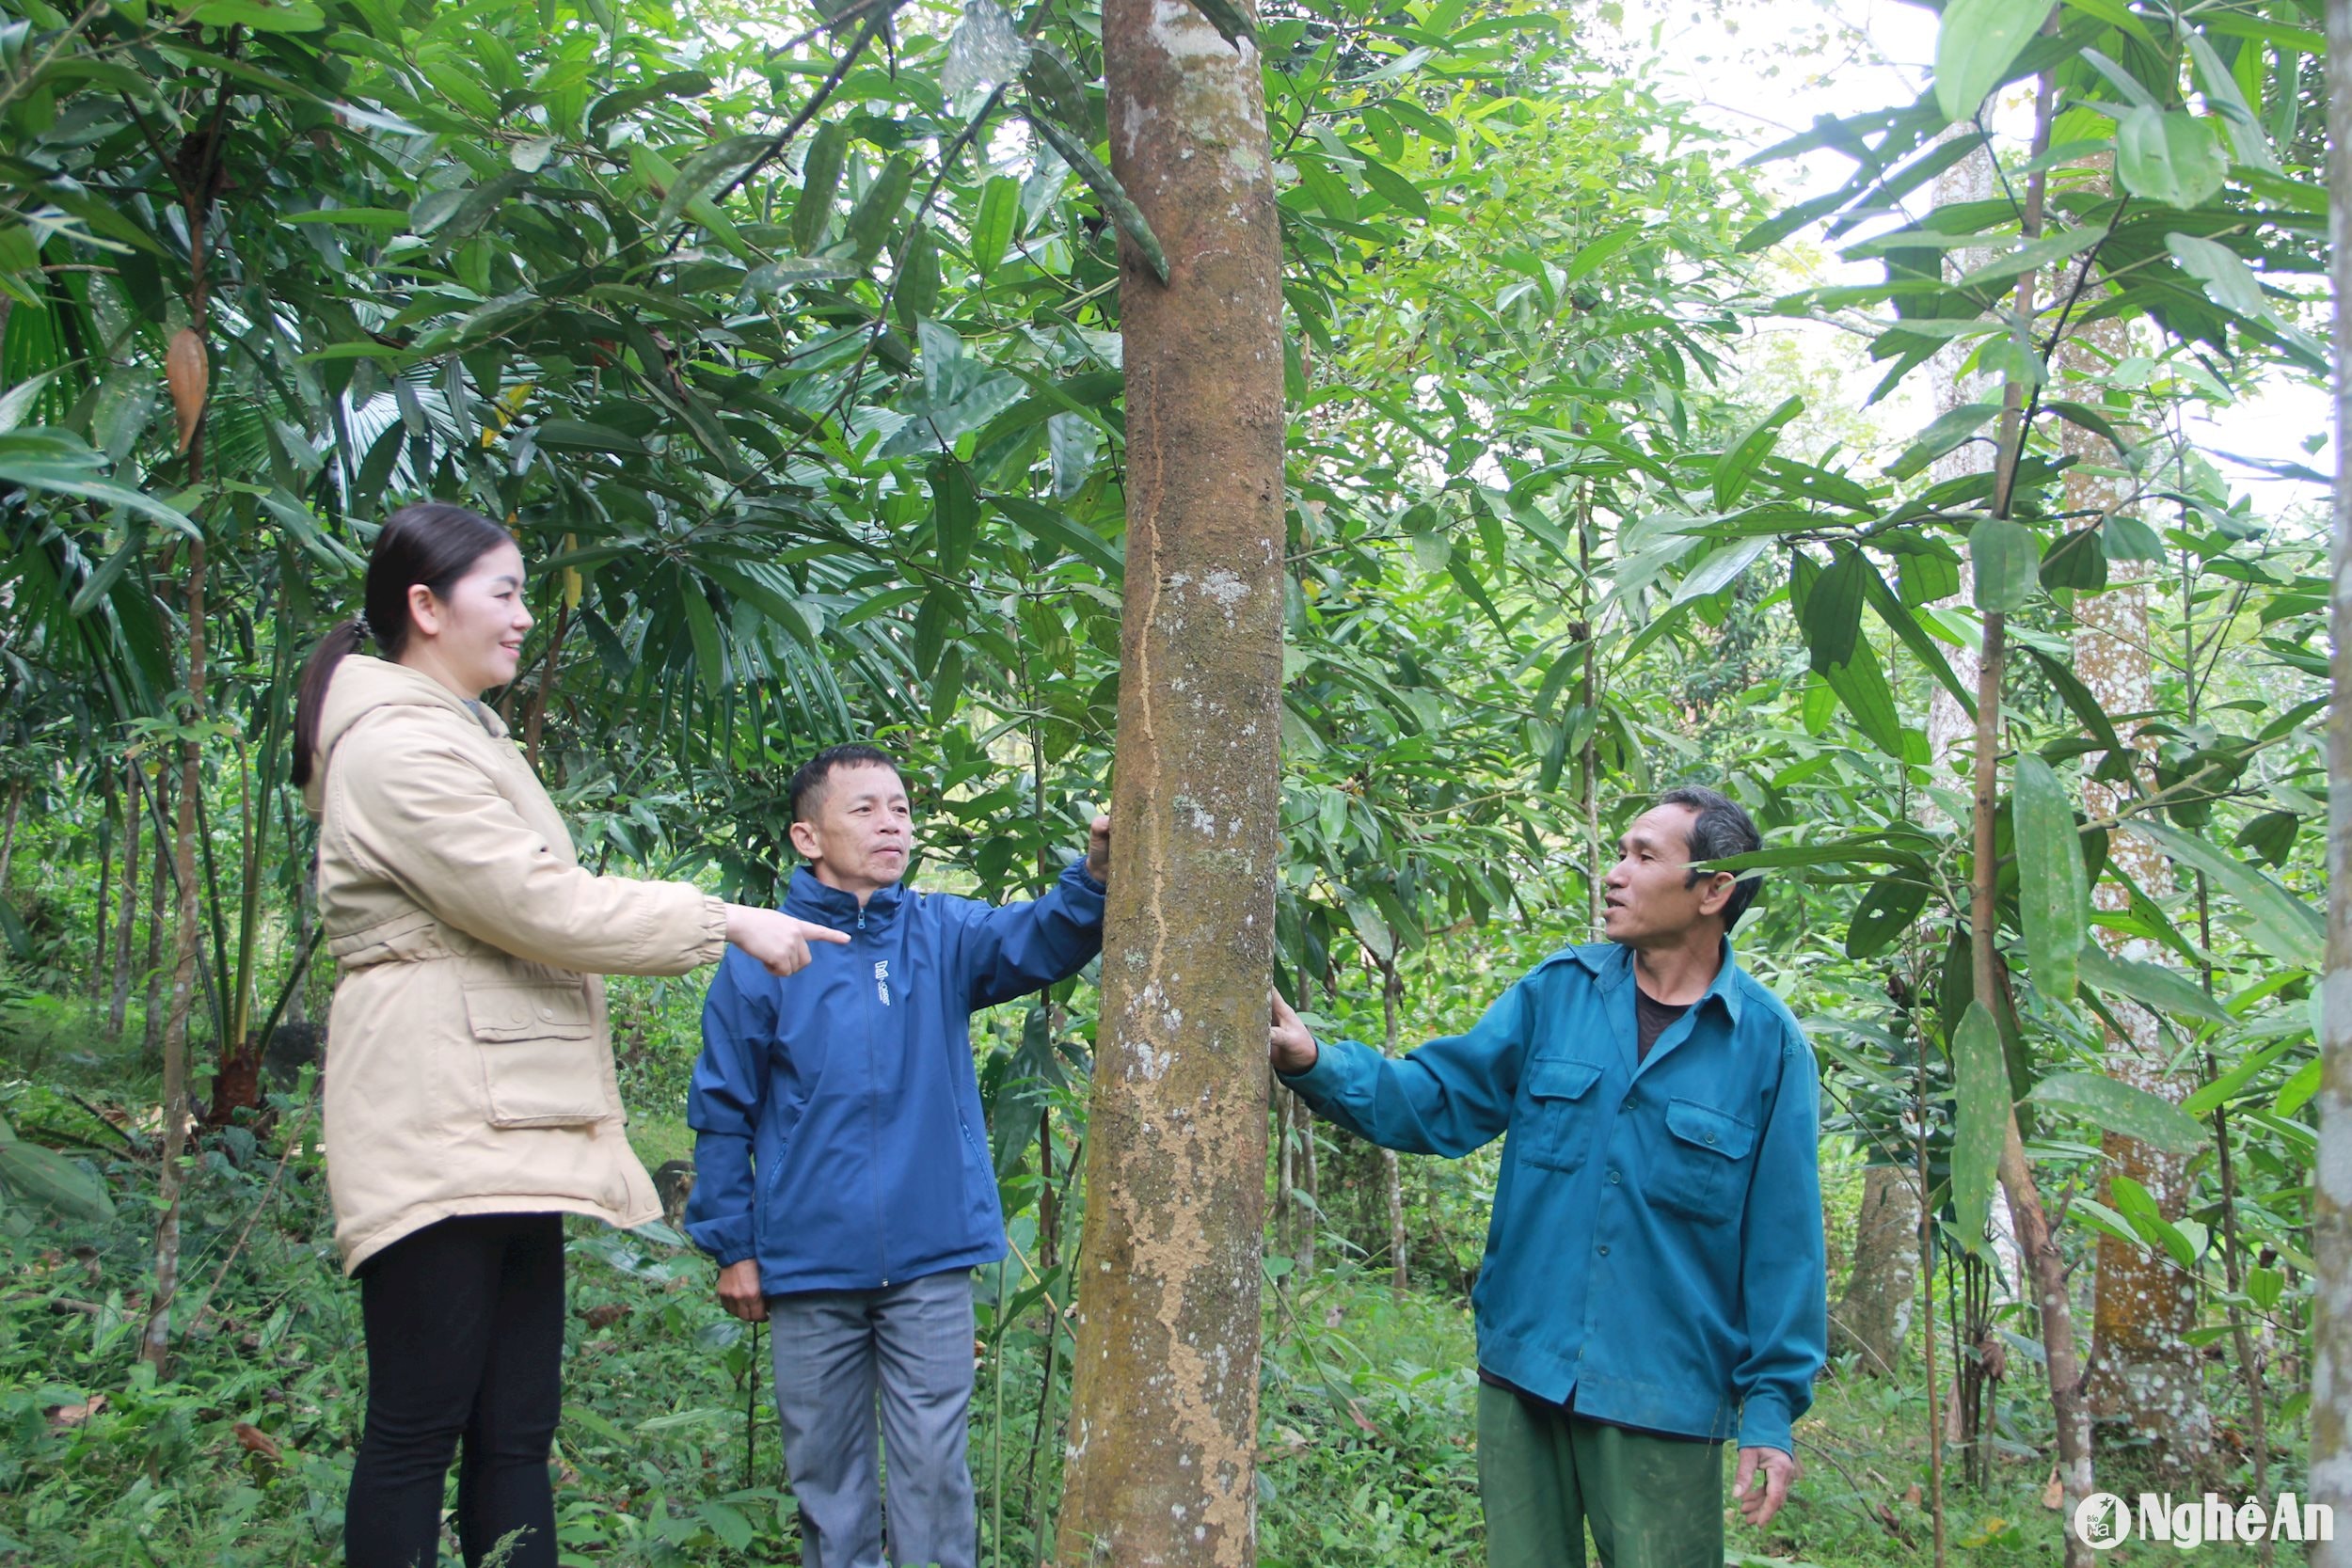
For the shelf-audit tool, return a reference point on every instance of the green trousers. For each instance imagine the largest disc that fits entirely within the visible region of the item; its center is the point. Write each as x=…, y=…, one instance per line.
x=1652, y=1502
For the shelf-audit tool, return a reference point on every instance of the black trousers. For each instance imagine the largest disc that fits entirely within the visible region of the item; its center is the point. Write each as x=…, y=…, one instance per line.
x=465, y=1324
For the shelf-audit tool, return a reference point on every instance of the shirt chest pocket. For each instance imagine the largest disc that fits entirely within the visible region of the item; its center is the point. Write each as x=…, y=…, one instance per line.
x=1558, y=1133
x=539, y=1064
x=1702, y=1161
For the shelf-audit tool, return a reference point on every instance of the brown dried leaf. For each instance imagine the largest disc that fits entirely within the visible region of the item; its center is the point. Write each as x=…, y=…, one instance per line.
x=2054, y=1493
x=187, y=369
x=604, y=1315
x=68, y=1416
x=254, y=1440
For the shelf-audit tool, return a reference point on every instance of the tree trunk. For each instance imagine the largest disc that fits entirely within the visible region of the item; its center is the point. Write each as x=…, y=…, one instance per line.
x=2146, y=1377
x=1874, y=1314
x=119, y=1005
x=1163, y=1407
x=95, y=983
x=2035, y=1238
x=151, y=1016
x=2331, y=1192
x=7, y=833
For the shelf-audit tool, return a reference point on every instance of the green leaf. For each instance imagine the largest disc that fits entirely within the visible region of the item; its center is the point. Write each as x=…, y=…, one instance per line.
x=2147, y=1220
x=728, y=1524
x=1108, y=191
x=2225, y=1089
x=2053, y=895
x=1906, y=626
x=1400, y=192
x=2075, y=561
x=2169, y=156
x=1887, y=911
x=1737, y=467
x=955, y=515
x=1830, y=616
x=2297, y=1091
x=1600, y=251
x=47, y=1179
x=1982, y=1125
x=262, y=16
x=876, y=216
x=2005, y=558
x=2118, y=1107
x=585, y=436
x=705, y=171
x=1047, y=526
x=2287, y=929
x=1948, y=431
x=1228, y=19
x=2150, y=985
x=1861, y=685
x=821, y=179
x=991, y=229
x=947, y=685
x=1975, y=47
x=704, y=627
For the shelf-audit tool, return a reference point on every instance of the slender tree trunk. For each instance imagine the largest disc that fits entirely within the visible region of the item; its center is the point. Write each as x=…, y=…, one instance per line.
x=1163, y=1418
x=2035, y=1238
x=7, y=833
x=196, y=197
x=95, y=983
x=119, y=1007
x=1873, y=1315
x=2147, y=1376
x=152, y=1014
x=2331, y=1190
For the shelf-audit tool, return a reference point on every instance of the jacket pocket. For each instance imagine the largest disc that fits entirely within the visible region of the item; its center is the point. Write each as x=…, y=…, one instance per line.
x=539, y=1068
x=1558, y=1132
x=1704, y=1150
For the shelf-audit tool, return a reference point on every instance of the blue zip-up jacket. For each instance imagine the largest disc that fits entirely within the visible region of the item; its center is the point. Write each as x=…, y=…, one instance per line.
x=1656, y=1245
x=839, y=1137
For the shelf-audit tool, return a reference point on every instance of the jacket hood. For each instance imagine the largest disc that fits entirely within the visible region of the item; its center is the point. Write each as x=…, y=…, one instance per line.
x=361, y=686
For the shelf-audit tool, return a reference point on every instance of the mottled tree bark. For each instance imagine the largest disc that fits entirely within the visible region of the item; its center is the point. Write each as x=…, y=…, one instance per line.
x=1874, y=1314
x=159, y=865
x=1163, y=1407
x=2331, y=1189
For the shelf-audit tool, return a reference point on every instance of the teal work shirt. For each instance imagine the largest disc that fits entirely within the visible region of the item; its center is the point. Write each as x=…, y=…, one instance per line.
x=1655, y=1246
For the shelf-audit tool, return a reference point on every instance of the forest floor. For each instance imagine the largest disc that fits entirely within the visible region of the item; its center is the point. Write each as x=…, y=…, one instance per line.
x=668, y=1455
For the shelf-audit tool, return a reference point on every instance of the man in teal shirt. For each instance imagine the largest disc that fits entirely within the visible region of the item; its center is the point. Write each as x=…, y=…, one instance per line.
x=1654, y=1282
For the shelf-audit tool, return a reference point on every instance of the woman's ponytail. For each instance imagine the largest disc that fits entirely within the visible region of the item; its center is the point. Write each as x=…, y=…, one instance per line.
x=318, y=670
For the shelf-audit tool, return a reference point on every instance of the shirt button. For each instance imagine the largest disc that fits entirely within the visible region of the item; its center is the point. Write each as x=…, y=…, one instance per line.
x=547, y=1015
x=1612, y=1178
x=1710, y=1137
x=1604, y=1249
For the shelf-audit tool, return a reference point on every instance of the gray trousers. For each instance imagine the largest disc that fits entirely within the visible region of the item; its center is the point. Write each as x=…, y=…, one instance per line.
x=837, y=1353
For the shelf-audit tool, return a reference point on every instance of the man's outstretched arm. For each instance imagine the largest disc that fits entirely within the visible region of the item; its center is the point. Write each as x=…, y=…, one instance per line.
x=1449, y=1097
x=1014, y=949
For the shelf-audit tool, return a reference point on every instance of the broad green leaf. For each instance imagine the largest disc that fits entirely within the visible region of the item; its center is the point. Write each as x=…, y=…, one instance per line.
x=991, y=229
x=2225, y=1089
x=1048, y=526
x=1399, y=191
x=1861, y=686
x=1982, y=1127
x=2150, y=985
x=821, y=179
x=2053, y=896
x=1720, y=570
x=2007, y=561
x=1370, y=925
x=1073, y=442
x=728, y=1524
x=1108, y=191
x=1948, y=431
x=262, y=16
x=705, y=171
x=955, y=515
x=582, y=435
x=2297, y=1091
x=1975, y=46
x=2141, y=1212
x=2127, y=1109
x=2289, y=930
x=709, y=663
x=1737, y=467
x=1886, y=912
x=877, y=215
x=2032, y=257
x=1905, y=626
x=2169, y=156
x=1830, y=616
x=49, y=1180
x=947, y=685
x=1231, y=20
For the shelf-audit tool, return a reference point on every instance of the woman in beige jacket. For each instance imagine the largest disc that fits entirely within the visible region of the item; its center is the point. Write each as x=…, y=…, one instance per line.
x=470, y=1098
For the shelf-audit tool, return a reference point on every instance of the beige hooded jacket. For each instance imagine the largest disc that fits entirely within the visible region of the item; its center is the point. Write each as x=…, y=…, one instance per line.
x=470, y=1065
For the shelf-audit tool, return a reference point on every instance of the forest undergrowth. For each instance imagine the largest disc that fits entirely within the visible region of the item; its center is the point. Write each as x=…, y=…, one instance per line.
x=668, y=1453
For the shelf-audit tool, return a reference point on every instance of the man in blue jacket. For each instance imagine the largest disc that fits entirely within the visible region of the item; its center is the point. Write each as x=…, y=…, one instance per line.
x=1654, y=1280
x=843, y=1178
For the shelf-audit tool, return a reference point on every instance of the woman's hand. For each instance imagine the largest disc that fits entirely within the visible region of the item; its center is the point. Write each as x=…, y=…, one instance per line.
x=777, y=939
